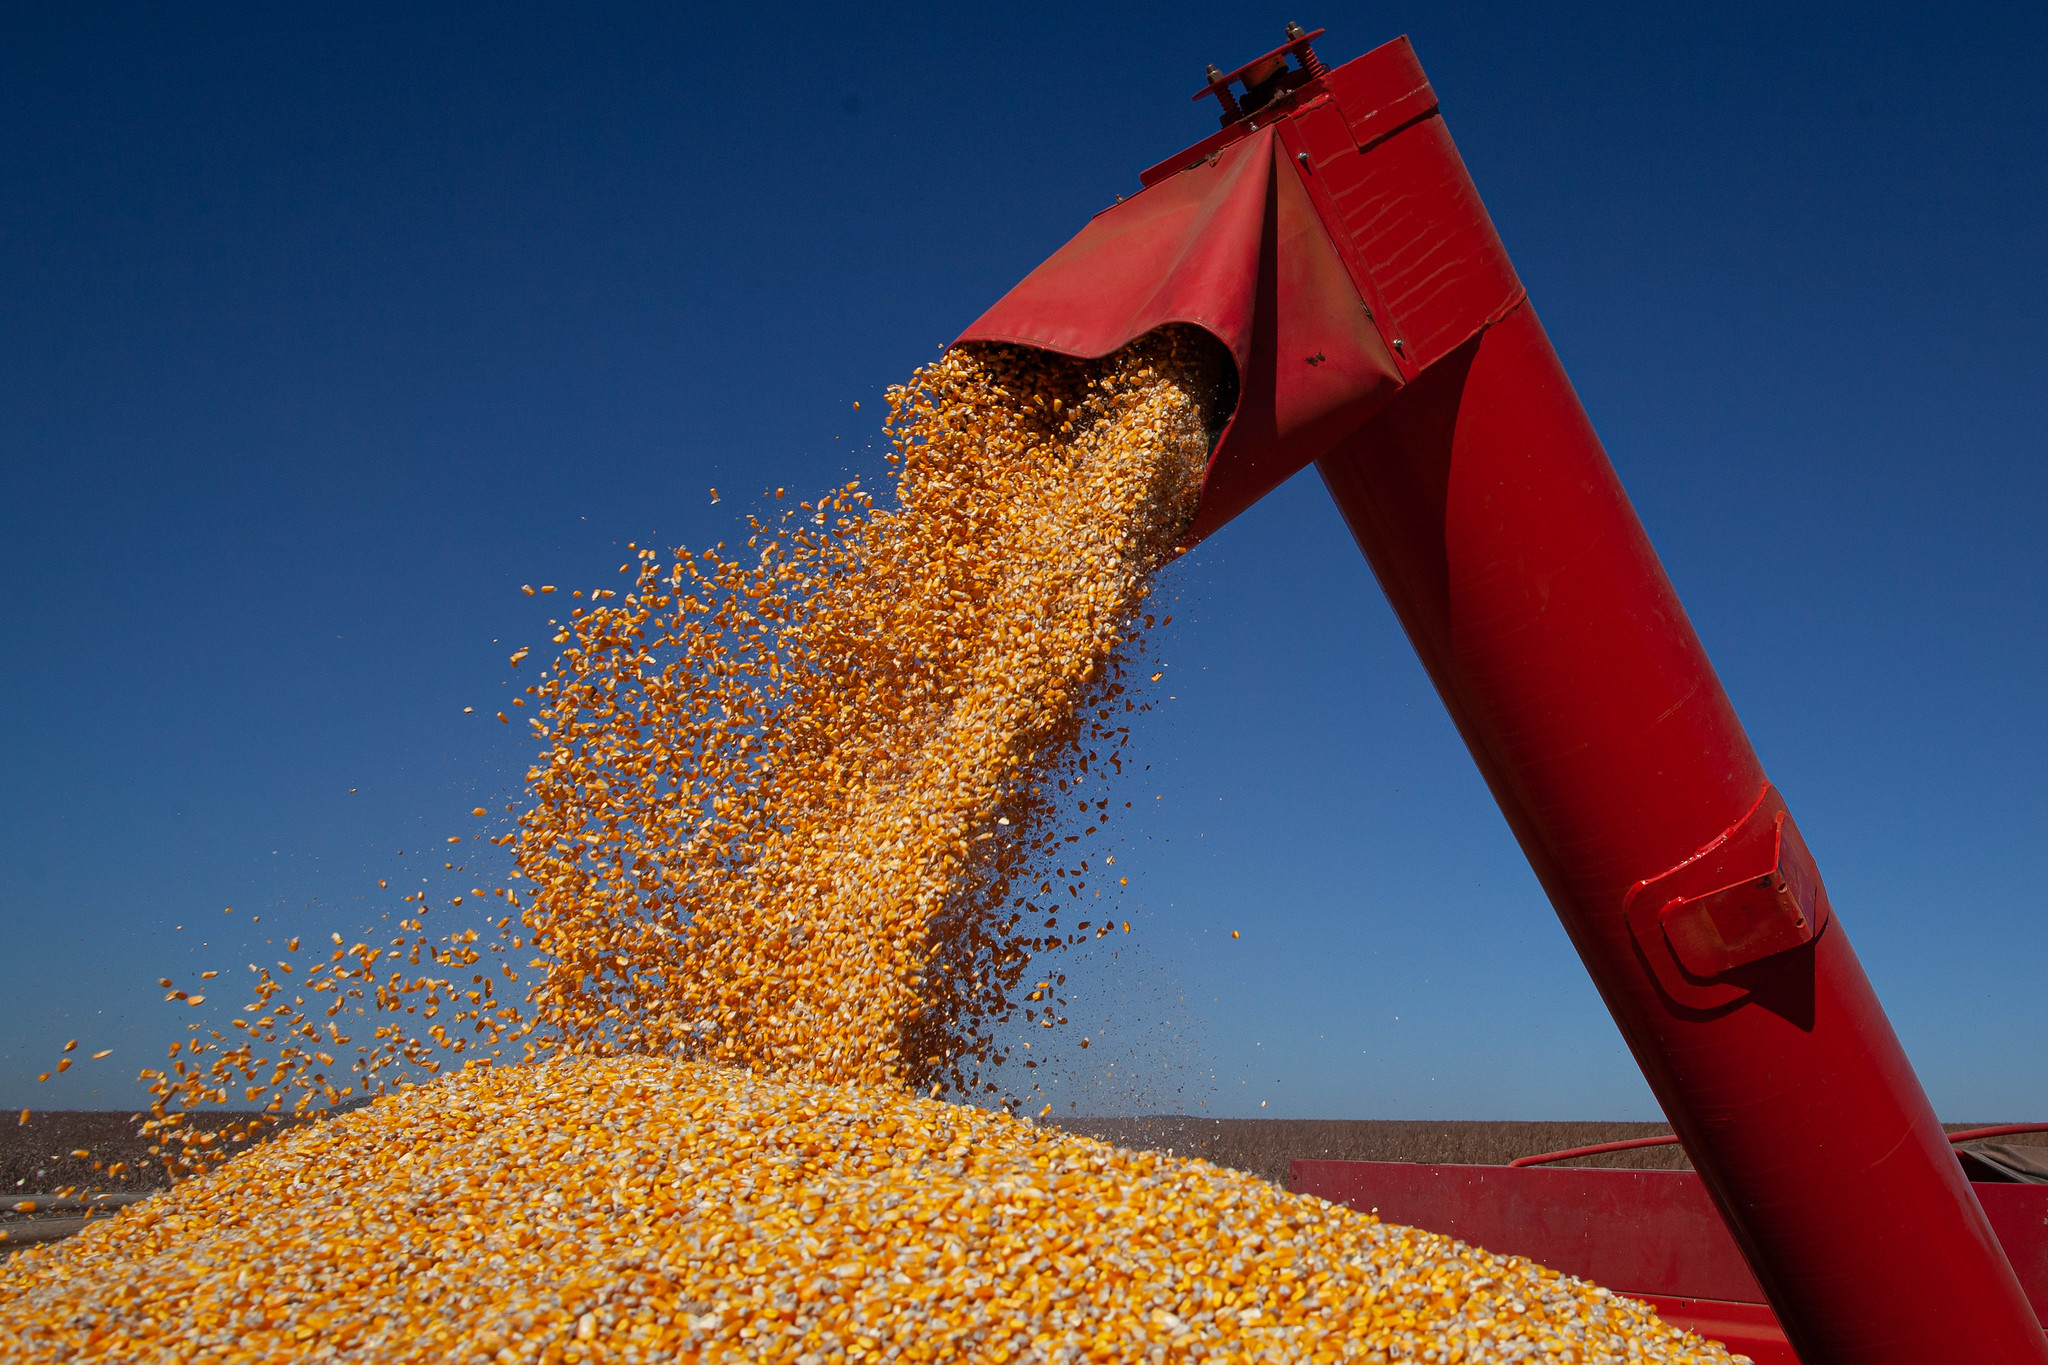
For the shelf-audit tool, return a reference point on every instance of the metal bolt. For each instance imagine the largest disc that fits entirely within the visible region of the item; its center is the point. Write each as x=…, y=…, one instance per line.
x=1223, y=95
x=1302, y=157
x=1307, y=55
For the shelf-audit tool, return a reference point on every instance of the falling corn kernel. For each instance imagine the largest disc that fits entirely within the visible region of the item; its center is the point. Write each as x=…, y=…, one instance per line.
x=1234, y=933
x=71, y=1046
x=853, y=761
x=103, y=1054
x=846, y=760
x=792, y=831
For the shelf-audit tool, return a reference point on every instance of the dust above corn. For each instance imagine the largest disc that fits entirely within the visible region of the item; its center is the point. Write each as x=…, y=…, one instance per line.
x=639, y=1209
x=802, y=821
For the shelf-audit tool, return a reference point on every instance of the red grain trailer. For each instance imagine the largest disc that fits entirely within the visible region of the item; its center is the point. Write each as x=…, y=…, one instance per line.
x=1330, y=238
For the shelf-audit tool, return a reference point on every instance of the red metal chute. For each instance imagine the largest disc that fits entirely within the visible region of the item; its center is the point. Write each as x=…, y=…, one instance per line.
x=1329, y=236
x=1235, y=247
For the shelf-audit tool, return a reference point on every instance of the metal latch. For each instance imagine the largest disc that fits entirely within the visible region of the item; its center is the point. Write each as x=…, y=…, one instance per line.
x=1751, y=893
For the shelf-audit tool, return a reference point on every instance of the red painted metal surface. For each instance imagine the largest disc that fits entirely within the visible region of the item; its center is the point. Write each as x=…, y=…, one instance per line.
x=1341, y=215
x=1752, y=893
x=1498, y=528
x=1997, y=1130
x=1597, y=1149
x=1671, y=1140
x=1234, y=246
x=1654, y=1235
x=1636, y=1232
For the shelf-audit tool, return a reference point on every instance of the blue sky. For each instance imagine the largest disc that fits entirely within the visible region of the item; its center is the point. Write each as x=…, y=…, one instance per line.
x=321, y=333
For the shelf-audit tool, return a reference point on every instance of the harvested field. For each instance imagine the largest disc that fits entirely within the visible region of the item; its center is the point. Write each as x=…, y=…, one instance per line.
x=38, y=1157
x=1264, y=1147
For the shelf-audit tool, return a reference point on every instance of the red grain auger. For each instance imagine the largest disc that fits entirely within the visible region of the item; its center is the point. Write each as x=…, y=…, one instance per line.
x=1329, y=236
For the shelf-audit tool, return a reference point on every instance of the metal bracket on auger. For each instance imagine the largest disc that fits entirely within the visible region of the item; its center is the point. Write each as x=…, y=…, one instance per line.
x=1752, y=893
x=1267, y=78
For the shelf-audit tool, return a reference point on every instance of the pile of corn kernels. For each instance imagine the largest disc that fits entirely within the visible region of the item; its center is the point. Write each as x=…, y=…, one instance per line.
x=798, y=829
x=637, y=1209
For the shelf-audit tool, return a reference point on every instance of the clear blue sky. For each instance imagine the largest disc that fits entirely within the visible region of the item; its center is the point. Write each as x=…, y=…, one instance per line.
x=320, y=333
